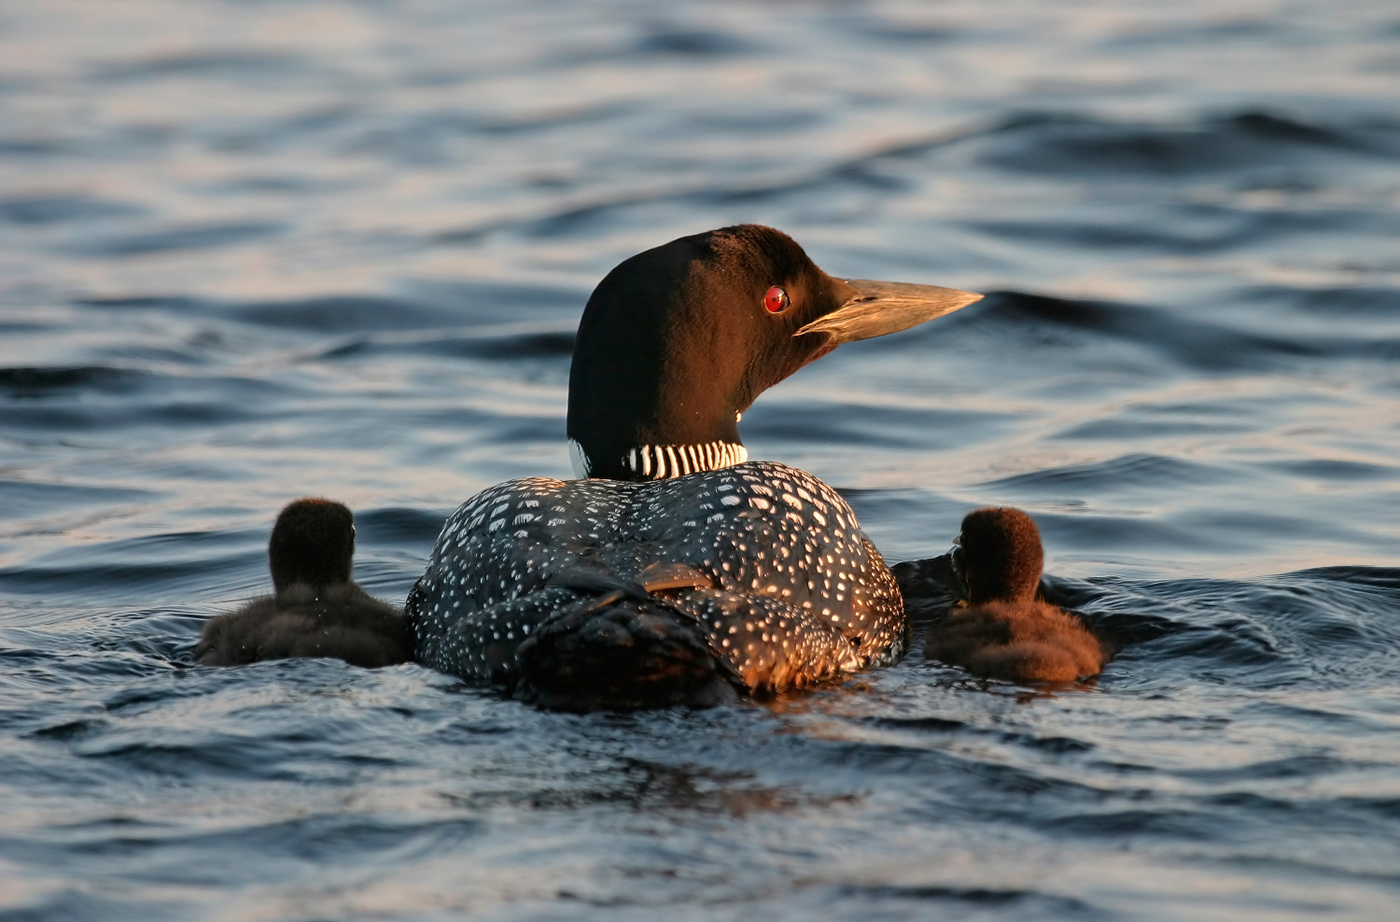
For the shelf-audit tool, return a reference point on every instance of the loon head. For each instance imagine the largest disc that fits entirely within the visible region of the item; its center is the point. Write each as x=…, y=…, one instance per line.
x=999, y=556
x=313, y=542
x=678, y=341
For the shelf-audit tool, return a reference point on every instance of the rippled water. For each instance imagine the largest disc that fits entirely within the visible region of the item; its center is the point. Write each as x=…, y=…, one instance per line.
x=255, y=250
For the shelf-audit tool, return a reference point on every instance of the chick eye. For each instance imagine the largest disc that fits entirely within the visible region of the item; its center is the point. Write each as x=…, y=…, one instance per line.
x=776, y=300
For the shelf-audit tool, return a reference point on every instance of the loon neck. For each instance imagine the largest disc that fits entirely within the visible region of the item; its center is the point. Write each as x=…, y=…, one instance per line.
x=659, y=462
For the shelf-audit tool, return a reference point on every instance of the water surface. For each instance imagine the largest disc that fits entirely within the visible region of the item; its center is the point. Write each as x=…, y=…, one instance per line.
x=256, y=250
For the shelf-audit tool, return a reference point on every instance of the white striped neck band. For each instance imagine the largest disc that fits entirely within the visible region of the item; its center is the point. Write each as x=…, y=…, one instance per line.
x=658, y=462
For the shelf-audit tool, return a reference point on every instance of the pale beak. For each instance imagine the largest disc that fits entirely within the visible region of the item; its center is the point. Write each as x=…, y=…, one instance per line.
x=877, y=308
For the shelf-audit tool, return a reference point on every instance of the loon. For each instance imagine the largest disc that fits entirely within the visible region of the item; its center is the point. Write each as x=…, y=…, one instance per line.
x=1007, y=632
x=316, y=609
x=675, y=570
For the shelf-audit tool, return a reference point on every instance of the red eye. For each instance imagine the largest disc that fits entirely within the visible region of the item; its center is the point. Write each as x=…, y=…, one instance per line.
x=776, y=300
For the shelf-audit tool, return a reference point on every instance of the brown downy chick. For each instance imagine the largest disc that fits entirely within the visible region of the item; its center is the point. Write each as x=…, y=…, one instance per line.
x=316, y=608
x=1006, y=632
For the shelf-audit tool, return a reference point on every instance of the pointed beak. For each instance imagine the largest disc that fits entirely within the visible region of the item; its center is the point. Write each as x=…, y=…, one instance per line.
x=877, y=308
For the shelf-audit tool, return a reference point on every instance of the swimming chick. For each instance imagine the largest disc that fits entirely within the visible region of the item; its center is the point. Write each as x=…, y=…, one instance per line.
x=677, y=571
x=316, y=609
x=1006, y=632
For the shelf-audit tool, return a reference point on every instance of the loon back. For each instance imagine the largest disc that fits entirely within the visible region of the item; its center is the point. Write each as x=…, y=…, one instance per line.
x=797, y=593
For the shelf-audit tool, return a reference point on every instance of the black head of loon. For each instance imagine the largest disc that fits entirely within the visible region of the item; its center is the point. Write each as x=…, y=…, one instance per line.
x=312, y=543
x=677, y=341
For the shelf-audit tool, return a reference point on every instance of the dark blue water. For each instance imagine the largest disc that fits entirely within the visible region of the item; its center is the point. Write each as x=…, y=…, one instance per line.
x=256, y=250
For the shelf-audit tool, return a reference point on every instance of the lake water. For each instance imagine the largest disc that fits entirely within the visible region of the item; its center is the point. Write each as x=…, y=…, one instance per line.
x=256, y=250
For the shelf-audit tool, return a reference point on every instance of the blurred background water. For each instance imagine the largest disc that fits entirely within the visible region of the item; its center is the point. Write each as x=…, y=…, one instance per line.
x=261, y=249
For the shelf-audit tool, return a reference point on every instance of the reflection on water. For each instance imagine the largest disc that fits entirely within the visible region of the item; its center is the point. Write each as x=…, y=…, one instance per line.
x=250, y=251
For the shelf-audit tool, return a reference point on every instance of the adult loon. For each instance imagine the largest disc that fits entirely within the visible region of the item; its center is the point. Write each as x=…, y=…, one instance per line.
x=1006, y=632
x=676, y=571
x=316, y=609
